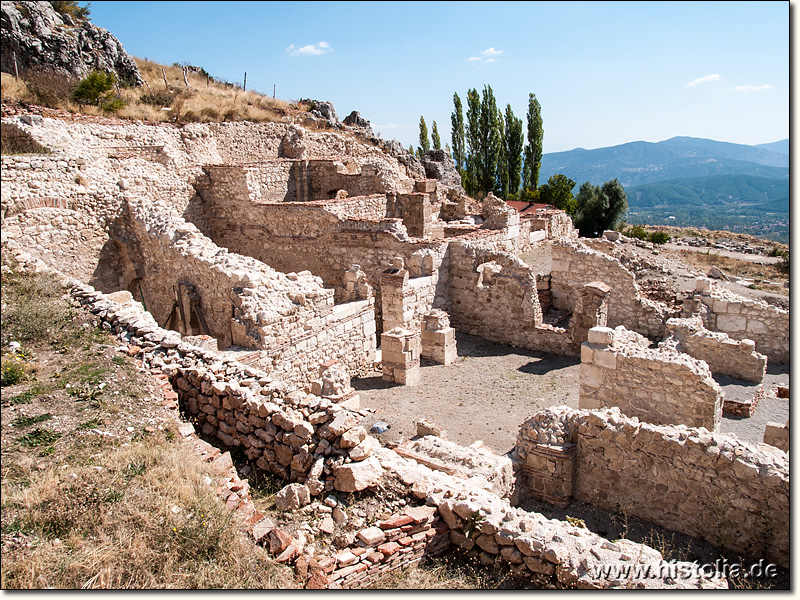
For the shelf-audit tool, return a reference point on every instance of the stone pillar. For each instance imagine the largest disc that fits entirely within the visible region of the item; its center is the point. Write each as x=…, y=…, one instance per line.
x=400, y=354
x=438, y=338
x=549, y=473
x=393, y=281
x=334, y=385
x=591, y=310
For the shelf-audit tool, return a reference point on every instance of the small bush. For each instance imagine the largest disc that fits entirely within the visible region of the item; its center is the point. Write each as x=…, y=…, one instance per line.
x=112, y=104
x=12, y=371
x=160, y=98
x=14, y=140
x=71, y=9
x=93, y=88
x=783, y=266
x=659, y=237
x=637, y=231
x=49, y=88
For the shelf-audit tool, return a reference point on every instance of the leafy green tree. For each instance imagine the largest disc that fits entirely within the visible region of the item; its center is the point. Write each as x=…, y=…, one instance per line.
x=424, y=143
x=558, y=192
x=533, y=149
x=457, y=136
x=473, y=137
x=95, y=87
x=501, y=183
x=512, y=148
x=435, y=139
x=489, y=142
x=600, y=207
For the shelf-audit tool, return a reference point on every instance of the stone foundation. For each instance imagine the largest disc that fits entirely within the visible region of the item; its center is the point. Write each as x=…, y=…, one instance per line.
x=709, y=485
x=400, y=354
x=656, y=385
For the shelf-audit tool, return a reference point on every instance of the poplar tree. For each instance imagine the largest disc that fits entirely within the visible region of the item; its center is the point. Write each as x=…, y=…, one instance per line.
x=533, y=150
x=473, y=137
x=457, y=136
x=514, y=141
x=501, y=180
x=435, y=139
x=424, y=143
x=489, y=142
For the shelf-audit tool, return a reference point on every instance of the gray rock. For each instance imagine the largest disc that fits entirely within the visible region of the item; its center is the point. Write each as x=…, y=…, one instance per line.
x=292, y=497
x=40, y=38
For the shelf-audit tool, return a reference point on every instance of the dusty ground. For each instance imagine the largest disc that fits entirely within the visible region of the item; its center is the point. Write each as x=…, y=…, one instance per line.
x=493, y=388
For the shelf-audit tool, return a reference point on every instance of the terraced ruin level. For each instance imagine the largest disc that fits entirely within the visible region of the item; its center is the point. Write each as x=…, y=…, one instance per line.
x=269, y=272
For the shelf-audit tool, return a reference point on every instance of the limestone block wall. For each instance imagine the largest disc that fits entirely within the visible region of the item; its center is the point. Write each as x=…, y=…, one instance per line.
x=307, y=439
x=743, y=318
x=574, y=265
x=657, y=385
x=494, y=295
x=706, y=485
x=722, y=354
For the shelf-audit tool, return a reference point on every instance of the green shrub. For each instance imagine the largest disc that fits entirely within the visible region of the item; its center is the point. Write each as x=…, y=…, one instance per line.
x=659, y=237
x=94, y=88
x=12, y=371
x=637, y=231
x=71, y=8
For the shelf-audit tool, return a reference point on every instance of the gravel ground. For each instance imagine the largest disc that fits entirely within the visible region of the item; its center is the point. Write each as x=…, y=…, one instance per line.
x=492, y=389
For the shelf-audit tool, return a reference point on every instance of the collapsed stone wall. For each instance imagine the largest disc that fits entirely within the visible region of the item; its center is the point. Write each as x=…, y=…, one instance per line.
x=721, y=353
x=711, y=486
x=742, y=318
x=573, y=265
x=494, y=295
x=657, y=385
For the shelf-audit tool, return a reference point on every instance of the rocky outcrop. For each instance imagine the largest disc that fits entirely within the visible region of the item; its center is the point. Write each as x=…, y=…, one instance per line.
x=439, y=165
x=37, y=37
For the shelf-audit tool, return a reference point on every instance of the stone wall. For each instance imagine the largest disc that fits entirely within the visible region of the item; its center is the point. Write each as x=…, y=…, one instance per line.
x=722, y=354
x=573, y=265
x=657, y=385
x=308, y=440
x=742, y=318
x=712, y=486
x=493, y=294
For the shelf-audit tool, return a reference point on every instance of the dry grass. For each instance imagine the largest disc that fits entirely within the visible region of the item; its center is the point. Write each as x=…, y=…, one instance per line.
x=97, y=489
x=141, y=516
x=203, y=100
x=732, y=266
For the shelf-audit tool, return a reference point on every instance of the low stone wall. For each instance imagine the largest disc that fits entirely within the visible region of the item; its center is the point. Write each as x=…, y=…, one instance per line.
x=742, y=318
x=573, y=265
x=656, y=385
x=711, y=486
x=322, y=445
x=722, y=354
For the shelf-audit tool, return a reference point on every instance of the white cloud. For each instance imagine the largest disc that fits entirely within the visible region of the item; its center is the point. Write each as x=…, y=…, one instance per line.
x=706, y=79
x=310, y=50
x=487, y=56
x=752, y=88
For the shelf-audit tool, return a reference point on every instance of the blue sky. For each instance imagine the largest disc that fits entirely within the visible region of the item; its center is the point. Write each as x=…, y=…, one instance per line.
x=605, y=73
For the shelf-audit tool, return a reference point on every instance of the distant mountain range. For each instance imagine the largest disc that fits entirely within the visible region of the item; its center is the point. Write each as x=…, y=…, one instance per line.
x=694, y=182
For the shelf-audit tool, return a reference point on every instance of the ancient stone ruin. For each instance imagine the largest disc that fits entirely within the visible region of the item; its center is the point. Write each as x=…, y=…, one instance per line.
x=267, y=265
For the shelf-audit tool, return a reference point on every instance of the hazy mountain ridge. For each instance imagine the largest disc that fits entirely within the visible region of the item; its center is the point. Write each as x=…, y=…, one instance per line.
x=639, y=163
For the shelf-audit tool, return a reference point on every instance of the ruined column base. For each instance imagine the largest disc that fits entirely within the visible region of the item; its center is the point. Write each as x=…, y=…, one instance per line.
x=400, y=351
